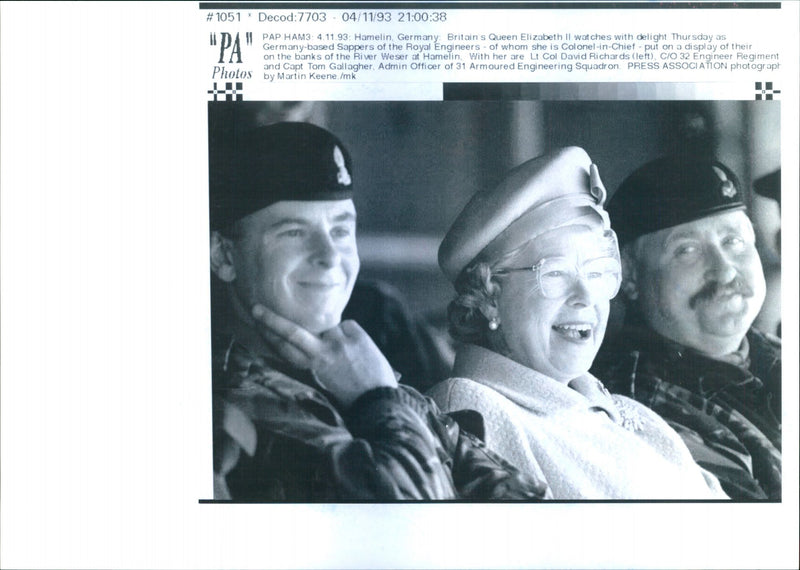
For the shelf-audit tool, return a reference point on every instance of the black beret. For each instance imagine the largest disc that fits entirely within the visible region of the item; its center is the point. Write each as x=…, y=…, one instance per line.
x=283, y=161
x=670, y=191
x=769, y=185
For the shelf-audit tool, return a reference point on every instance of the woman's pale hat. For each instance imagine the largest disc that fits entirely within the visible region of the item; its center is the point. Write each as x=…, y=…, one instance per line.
x=544, y=193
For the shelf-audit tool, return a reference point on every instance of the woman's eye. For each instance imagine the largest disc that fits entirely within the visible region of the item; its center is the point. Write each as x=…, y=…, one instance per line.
x=292, y=233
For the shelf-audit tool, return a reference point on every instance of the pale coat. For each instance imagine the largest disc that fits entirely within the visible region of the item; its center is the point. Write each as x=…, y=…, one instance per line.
x=584, y=442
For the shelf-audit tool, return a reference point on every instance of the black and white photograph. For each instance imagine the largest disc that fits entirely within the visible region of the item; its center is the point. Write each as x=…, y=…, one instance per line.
x=399, y=285
x=588, y=293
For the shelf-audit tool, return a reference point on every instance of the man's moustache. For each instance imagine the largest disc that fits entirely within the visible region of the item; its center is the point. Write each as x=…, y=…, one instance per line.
x=714, y=289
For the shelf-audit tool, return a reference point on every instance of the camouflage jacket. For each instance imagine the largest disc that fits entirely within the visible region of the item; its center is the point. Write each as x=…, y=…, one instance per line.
x=279, y=437
x=729, y=415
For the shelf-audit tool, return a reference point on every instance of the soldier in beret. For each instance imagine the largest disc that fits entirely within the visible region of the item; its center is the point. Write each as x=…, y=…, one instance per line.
x=535, y=264
x=693, y=284
x=306, y=408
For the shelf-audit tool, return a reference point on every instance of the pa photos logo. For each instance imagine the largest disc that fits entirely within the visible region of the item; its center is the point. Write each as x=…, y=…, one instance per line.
x=765, y=91
x=230, y=46
x=229, y=66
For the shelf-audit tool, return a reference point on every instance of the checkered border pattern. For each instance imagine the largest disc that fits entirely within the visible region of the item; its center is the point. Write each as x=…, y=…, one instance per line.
x=231, y=92
x=765, y=91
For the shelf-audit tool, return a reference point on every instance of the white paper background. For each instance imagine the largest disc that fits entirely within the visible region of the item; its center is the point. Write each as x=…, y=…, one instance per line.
x=105, y=342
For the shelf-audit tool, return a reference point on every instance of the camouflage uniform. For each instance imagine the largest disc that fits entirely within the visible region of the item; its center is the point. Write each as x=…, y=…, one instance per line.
x=279, y=437
x=728, y=414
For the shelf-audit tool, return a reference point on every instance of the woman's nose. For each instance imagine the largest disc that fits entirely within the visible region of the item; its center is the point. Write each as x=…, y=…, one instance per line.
x=581, y=293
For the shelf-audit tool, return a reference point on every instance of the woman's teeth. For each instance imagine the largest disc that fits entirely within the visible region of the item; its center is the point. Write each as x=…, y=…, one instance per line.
x=576, y=331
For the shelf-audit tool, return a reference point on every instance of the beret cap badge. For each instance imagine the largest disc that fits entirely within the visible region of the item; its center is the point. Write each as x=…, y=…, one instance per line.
x=726, y=187
x=342, y=176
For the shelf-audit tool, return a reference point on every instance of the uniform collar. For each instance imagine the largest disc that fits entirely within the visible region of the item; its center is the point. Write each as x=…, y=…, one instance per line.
x=240, y=352
x=690, y=368
x=529, y=388
x=740, y=356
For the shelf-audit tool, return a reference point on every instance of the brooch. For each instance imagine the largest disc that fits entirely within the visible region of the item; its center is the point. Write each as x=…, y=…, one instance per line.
x=630, y=418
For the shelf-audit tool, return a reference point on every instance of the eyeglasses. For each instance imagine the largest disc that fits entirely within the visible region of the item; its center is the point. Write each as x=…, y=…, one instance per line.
x=557, y=276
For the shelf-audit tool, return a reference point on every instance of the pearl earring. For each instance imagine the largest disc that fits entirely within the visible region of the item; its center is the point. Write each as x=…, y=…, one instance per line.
x=493, y=324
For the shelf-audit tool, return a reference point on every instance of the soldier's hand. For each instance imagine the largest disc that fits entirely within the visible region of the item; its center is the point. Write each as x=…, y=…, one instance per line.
x=344, y=359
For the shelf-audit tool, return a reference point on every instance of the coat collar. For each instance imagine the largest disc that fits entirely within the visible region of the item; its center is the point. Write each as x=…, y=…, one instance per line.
x=529, y=388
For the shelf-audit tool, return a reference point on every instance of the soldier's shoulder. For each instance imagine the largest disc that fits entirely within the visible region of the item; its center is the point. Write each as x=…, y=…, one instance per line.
x=764, y=339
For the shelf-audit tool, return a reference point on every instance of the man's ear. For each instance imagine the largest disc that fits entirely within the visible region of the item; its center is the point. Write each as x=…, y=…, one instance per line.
x=222, y=257
x=630, y=282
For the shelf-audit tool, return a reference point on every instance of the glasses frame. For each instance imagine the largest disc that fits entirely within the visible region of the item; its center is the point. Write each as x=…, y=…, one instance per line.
x=536, y=269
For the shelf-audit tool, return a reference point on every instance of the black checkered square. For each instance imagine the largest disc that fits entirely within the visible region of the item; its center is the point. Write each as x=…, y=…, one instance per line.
x=231, y=92
x=765, y=91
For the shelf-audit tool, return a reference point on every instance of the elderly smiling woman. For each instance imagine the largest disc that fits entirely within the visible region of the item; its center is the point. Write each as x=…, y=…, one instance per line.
x=535, y=265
